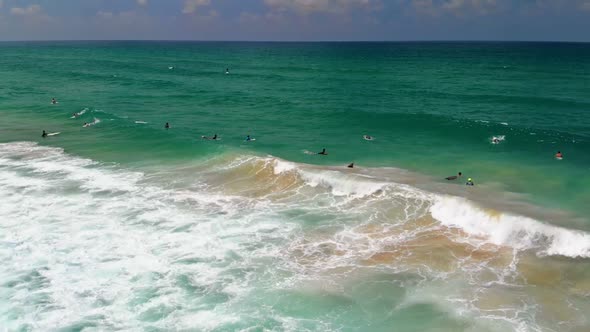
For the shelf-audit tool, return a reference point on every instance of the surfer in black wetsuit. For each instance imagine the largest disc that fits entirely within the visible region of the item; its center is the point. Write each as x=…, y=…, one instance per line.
x=53, y=101
x=44, y=134
x=351, y=165
x=469, y=182
x=454, y=177
x=323, y=153
x=248, y=138
x=167, y=125
x=214, y=136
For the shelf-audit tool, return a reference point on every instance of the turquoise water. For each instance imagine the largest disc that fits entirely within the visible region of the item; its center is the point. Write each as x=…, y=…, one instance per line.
x=127, y=225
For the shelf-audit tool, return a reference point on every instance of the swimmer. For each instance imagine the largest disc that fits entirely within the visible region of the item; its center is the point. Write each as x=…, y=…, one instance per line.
x=454, y=177
x=44, y=134
x=559, y=155
x=323, y=153
x=351, y=165
x=167, y=125
x=469, y=182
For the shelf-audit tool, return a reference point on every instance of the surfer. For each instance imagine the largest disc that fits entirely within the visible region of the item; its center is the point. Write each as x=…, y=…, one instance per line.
x=558, y=155
x=454, y=177
x=53, y=101
x=44, y=134
x=323, y=153
x=248, y=139
x=167, y=125
x=227, y=70
x=351, y=165
x=210, y=138
x=495, y=140
x=469, y=182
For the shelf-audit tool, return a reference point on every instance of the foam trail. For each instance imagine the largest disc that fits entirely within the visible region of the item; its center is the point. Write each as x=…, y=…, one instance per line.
x=96, y=120
x=79, y=113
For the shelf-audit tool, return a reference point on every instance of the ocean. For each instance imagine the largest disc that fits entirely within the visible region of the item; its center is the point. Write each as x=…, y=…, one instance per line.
x=126, y=225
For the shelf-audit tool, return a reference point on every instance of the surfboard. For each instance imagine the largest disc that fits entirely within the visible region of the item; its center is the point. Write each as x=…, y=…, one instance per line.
x=140, y=122
x=368, y=138
x=251, y=140
x=53, y=134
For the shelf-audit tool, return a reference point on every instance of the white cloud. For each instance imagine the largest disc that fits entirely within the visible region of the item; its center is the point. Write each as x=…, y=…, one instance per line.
x=26, y=11
x=322, y=6
x=191, y=6
x=105, y=15
x=457, y=7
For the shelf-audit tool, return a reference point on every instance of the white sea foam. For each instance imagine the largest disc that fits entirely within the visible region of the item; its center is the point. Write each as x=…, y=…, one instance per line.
x=510, y=230
x=105, y=248
x=88, y=243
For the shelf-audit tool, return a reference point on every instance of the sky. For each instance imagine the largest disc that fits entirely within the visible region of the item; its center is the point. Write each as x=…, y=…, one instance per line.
x=295, y=20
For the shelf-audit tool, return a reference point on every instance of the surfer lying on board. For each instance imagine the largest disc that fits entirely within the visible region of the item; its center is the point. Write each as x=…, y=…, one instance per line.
x=323, y=153
x=558, y=155
x=213, y=138
x=454, y=177
x=351, y=165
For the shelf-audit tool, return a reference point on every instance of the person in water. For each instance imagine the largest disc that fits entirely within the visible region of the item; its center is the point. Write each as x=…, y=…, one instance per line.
x=454, y=177
x=214, y=136
x=167, y=125
x=469, y=182
x=53, y=101
x=323, y=153
x=351, y=165
x=227, y=70
x=44, y=134
x=495, y=140
x=248, y=138
x=559, y=155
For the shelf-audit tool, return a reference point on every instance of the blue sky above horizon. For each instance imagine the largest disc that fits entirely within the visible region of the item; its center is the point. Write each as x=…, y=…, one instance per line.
x=535, y=20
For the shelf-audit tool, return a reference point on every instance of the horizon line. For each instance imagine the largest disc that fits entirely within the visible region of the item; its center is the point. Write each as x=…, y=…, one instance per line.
x=298, y=41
